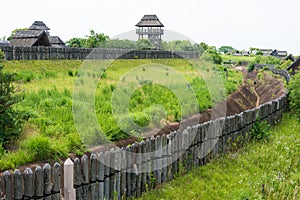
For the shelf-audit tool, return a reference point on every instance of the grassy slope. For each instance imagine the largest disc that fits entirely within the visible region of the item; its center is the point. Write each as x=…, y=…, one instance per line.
x=47, y=87
x=238, y=58
x=240, y=175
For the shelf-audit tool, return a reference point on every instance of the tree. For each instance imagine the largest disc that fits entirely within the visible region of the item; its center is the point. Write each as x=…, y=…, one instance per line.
x=118, y=44
x=180, y=45
x=144, y=44
x=90, y=41
x=226, y=49
x=75, y=42
x=12, y=34
x=95, y=39
x=212, y=55
x=204, y=46
x=10, y=119
x=259, y=53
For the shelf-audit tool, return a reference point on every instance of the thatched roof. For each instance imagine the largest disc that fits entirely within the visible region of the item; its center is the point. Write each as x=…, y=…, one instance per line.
x=29, y=38
x=56, y=42
x=278, y=53
x=38, y=25
x=4, y=43
x=295, y=66
x=149, y=21
x=290, y=57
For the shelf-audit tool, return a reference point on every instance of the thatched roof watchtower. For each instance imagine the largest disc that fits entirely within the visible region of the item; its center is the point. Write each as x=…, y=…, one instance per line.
x=151, y=27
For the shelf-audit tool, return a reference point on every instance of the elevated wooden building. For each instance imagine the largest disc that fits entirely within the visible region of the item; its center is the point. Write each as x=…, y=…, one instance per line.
x=151, y=28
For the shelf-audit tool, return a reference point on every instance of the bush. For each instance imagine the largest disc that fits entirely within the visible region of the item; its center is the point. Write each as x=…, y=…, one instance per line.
x=294, y=95
x=74, y=144
x=70, y=73
x=2, y=55
x=39, y=147
x=260, y=131
x=211, y=55
x=10, y=119
x=251, y=67
x=141, y=119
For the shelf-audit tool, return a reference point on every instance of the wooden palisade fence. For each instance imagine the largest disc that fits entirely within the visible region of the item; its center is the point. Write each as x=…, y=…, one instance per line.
x=94, y=180
x=51, y=53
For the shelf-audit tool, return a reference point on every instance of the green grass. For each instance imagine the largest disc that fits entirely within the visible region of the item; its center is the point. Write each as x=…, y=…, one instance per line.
x=240, y=175
x=238, y=58
x=47, y=89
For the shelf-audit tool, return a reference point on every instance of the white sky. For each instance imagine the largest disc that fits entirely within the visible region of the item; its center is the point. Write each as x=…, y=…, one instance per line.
x=239, y=23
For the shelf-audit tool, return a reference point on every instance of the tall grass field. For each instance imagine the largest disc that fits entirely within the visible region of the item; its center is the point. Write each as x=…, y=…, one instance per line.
x=47, y=92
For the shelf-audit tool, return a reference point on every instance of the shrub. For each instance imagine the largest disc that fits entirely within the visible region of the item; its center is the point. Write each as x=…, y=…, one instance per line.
x=70, y=73
x=260, y=131
x=25, y=76
x=2, y=55
x=251, y=67
x=42, y=148
x=259, y=53
x=10, y=119
x=141, y=119
x=294, y=95
x=211, y=55
x=74, y=144
x=39, y=147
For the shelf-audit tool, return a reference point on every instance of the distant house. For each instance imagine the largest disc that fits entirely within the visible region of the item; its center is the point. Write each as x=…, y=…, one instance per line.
x=266, y=52
x=290, y=57
x=254, y=52
x=245, y=53
x=56, y=42
x=294, y=67
x=30, y=38
x=36, y=35
x=39, y=25
x=279, y=54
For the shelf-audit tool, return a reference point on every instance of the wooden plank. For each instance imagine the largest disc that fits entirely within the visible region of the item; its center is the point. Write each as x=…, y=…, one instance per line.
x=18, y=185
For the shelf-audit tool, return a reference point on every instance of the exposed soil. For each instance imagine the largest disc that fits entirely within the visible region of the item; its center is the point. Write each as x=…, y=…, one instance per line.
x=253, y=92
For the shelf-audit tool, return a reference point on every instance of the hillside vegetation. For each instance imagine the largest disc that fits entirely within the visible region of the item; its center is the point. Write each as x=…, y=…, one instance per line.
x=47, y=91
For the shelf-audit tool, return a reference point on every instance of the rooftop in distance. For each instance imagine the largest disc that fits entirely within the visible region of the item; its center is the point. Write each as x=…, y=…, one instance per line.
x=38, y=25
x=149, y=21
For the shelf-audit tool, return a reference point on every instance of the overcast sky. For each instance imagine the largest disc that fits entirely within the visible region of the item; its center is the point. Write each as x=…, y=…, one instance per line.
x=238, y=23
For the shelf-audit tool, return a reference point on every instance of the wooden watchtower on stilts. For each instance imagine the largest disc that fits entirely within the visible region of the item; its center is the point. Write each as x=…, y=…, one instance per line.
x=151, y=28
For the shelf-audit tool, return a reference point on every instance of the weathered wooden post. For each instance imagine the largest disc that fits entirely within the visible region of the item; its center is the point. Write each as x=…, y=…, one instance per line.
x=7, y=176
x=85, y=176
x=94, y=193
x=56, y=179
x=69, y=191
x=39, y=183
x=47, y=182
x=28, y=184
x=18, y=185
